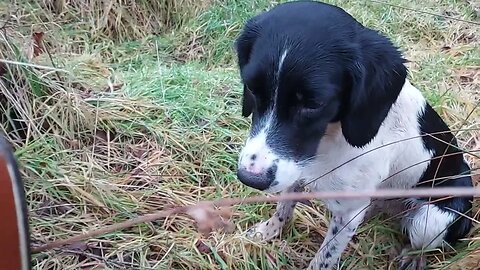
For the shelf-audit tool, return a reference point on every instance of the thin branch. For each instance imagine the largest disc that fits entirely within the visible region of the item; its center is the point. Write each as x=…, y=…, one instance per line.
x=384, y=193
x=31, y=65
x=451, y=177
x=111, y=228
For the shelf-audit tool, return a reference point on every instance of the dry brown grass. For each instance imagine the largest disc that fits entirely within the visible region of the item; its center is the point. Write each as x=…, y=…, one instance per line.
x=119, y=20
x=118, y=131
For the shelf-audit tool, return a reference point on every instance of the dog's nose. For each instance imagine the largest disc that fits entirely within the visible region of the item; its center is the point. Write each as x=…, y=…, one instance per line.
x=258, y=181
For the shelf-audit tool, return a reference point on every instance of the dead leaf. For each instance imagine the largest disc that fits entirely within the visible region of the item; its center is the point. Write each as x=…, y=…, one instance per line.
x=208, y=218
x=78, y=246
x=102, y=135
x=3, y=69
x=50, y=208
x=156, y=248
x=74, y=144
x=465, y=37
x=446, y=48
x=38, y=47
x=137, y=151
x=202, y=247
x=114, y=87
x=204, y=219
x=452, y=51
x=33, y=47
x=105, y=136
x=468, y=75
x=118, y=167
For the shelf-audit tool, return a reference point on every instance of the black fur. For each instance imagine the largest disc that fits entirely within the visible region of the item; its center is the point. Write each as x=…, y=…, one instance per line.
x=446, y=166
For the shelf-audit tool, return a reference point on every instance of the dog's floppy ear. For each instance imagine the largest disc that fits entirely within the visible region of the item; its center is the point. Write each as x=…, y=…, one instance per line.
x=248, y=102
x=377, y=77
x=243, y=46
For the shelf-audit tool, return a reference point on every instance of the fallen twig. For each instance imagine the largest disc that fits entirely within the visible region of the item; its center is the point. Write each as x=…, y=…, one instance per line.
x=5, y=61
x=201, y=211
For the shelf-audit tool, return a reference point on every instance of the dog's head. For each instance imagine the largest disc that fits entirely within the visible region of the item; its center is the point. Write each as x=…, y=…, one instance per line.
x=305, y=65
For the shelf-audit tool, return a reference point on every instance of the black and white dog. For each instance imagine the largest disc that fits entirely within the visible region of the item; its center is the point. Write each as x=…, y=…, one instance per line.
x=322, y=90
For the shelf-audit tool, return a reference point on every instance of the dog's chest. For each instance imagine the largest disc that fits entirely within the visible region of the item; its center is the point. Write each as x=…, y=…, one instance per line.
x=340, y=167
x=396, y=157
x=358, y=170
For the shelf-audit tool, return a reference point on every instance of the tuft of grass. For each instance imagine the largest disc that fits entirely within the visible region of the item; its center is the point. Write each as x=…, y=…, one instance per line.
x=116, y=20
x=136, y=122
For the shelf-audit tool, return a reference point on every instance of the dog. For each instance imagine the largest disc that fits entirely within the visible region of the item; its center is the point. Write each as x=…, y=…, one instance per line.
x=332, y=109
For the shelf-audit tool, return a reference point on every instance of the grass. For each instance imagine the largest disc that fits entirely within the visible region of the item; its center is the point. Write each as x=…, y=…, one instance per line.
x=138, y=122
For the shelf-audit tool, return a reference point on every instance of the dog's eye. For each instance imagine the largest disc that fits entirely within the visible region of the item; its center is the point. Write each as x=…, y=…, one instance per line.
x=311, y=109
x=308, y=107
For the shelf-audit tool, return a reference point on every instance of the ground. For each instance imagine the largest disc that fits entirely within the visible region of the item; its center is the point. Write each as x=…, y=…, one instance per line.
x=132, y=125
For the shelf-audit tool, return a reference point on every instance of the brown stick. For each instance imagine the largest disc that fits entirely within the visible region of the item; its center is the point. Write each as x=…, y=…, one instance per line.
x=111, y=228
x=385, y=194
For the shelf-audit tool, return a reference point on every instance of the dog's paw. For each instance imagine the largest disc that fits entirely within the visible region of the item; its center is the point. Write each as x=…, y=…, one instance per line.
x=411, y=262
x=264, y=231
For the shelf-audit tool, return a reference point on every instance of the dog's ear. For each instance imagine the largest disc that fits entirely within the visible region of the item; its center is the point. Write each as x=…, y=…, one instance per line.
x=376, y=78
x=243, y=46
x=248, y=102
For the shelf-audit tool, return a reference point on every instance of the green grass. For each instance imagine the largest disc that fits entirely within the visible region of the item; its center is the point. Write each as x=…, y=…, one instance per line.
x=170, y=136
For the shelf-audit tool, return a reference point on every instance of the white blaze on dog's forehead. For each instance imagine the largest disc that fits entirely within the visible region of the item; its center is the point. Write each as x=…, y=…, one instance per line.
x=269, y=119
x=277, y=80
x=266, y=122
x=280, y=62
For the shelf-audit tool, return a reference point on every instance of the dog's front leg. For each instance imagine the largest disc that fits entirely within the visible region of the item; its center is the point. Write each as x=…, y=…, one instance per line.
x=271, y=228
x=341, y=230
